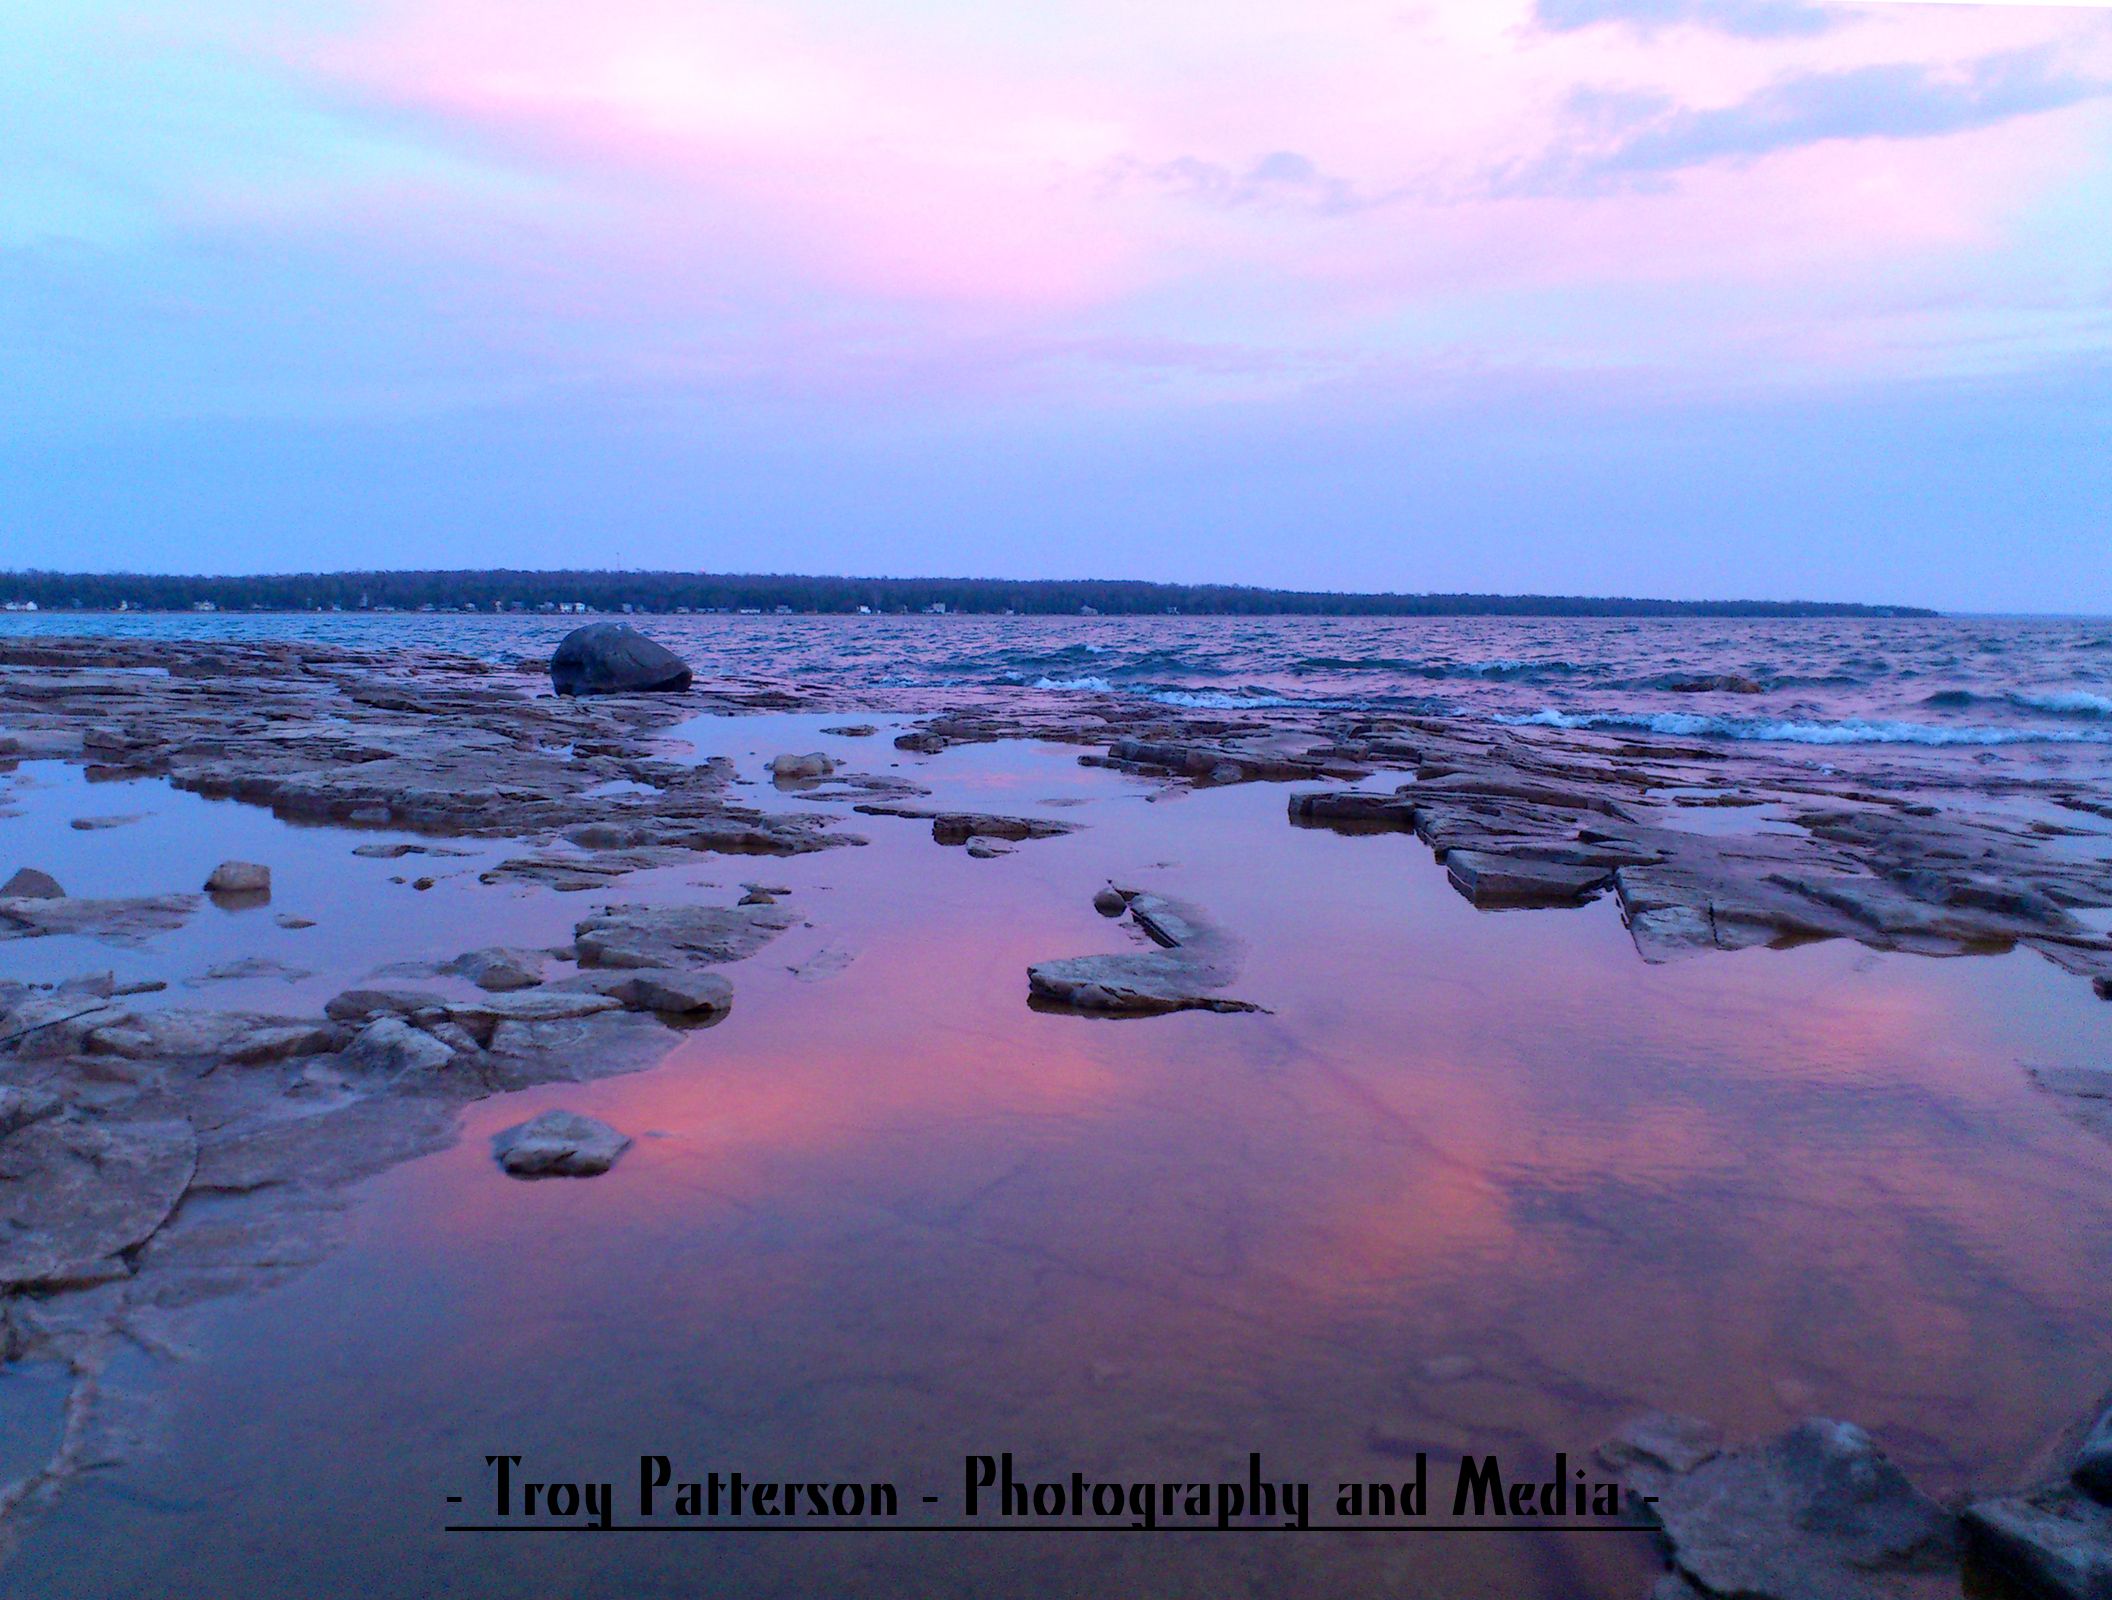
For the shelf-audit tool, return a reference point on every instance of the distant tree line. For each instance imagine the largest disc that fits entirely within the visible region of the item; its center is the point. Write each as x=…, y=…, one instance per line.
x=516, y=591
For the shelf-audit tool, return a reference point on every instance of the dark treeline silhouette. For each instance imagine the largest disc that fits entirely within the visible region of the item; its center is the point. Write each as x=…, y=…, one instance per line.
x=507, y=590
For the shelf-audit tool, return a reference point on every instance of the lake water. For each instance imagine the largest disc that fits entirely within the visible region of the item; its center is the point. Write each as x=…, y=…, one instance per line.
x=1476, y=1182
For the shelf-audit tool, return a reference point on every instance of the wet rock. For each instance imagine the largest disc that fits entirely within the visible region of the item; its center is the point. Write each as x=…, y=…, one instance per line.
x=678, y=936
x=121, y=922
x=30, y=884
x=246, y=968
x=2093, y=1462
x=1658, y=1445
x=181, y=1034
x=393, y=1048
x=288, y=920
x=983, y=849
x=1110, y=901
x=1373, y=813
x=573, y=871
x=74, y=1196
x=500, y=969
x=559, y=1144
x=480, y=1017
x=1818, y=1513
x=20, y=1107
x=1193, y=961
x=1206, y=761
x=797, y=769
x=574, y=1049
x=673, y=993
x=96, y=824
x=2055, y=1544
x=1517, y=881
x=853, y=730
x=363, y=1004
x=615, y=658
x=50, y=1026
x=239, y=877
x=958, y=827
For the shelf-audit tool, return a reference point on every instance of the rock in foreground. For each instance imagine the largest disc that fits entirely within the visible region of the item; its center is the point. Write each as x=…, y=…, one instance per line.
x=559, y=1144
x=1818, y=1513
x=615, y=658
x=2056, y=1543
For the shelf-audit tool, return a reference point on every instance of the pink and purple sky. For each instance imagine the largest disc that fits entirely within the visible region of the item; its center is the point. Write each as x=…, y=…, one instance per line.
x=1674, y=297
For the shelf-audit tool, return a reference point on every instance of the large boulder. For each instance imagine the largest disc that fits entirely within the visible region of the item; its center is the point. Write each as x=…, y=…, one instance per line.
x=614, y=658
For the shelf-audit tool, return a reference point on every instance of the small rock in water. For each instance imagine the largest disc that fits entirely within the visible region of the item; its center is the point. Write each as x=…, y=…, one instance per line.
x=30, y=884
x=91, y=824
x=286, y=919
x=675, y=993
x=793, y=769
x=559, y=1144
x=984, y=849
x=500, y=969
x=239, y=877
x=1110, y=902
x=615, y=658
x=853, y=730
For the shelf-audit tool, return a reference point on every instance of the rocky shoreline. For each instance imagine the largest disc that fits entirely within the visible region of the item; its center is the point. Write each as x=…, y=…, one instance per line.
x=155, y=1154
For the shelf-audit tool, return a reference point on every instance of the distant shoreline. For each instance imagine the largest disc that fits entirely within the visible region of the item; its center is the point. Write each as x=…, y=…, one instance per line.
x=518, y=592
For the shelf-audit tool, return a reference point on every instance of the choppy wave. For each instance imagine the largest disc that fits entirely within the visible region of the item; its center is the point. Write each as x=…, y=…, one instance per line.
x=2068, y=703
x=1776, y=730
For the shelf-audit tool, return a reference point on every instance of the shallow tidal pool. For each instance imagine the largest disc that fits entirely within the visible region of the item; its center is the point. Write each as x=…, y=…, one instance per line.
x=1476, y=1182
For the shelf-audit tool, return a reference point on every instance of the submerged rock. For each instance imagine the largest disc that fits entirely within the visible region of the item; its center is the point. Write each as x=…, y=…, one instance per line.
x=30, y=884
x=112, y=921
x=559, y=1144
x=615, y=658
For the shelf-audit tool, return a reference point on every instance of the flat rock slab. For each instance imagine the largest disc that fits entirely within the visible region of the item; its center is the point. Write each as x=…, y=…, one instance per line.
x=2056, y=1544
x=181, y=1034
x=1194, y=959
x=678, y=936
x=1495, y=880
x=75, y=1195
x=559, y=1144
x=125, y=921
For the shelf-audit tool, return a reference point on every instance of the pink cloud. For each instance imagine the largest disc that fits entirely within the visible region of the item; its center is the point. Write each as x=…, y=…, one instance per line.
x=1225, y=175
